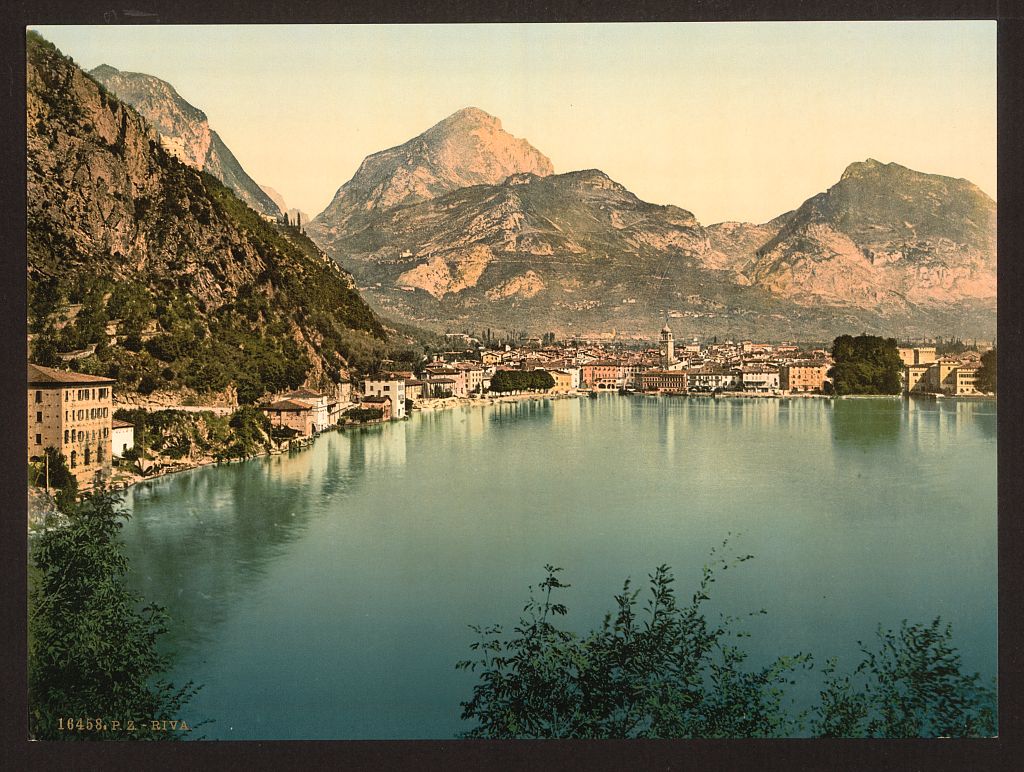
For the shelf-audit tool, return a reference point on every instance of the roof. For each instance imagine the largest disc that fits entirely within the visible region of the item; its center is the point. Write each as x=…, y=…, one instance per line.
x=287, y=404
x=376, y=399
x=48, y=376
x=441, y=380
x=116, y=423
x=414, y=382
x=304, y=393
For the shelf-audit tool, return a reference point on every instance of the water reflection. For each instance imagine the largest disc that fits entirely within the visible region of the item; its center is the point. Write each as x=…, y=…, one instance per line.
x=866, y=424
x=344, y=575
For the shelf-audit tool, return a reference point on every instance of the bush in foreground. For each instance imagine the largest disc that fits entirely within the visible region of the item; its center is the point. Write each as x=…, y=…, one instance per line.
x=92, y=645
x=666, y=671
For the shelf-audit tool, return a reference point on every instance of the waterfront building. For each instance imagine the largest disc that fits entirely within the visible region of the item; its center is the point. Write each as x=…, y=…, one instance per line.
x=71, y=412
x=803, y=376
x=393, y=388
x=452, y=382
x=664, y=381
x=474, y=374
x=384, y=404
x=122, y=437
x=291, y=414
x=603, y=374
x=414, y=388
x=563, y=381
x=707, y=379
x=945, y=376
x=325, y=410
x=759, y=379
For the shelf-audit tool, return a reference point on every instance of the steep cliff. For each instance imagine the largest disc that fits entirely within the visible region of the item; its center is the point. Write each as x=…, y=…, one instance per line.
x=184, y=131
x=175, y=281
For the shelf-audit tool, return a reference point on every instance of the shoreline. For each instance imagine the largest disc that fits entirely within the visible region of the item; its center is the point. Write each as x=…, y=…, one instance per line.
x=450, y=403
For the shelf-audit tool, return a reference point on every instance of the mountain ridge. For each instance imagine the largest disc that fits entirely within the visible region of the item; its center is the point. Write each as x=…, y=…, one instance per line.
x=184, y=130
x=159, y=268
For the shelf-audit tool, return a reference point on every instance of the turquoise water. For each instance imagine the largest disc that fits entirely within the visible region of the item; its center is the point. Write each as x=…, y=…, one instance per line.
x=328, y=594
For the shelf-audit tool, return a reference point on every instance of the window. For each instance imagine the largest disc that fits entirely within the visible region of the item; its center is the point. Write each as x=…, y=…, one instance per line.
x=81, y=436
x=65, y=436
x=39, y=397
x=39, y=439
x=67, y=395
x=74, y=458
x=39, y=417
x=99, y=454
x=88, y=456
x=106, y=432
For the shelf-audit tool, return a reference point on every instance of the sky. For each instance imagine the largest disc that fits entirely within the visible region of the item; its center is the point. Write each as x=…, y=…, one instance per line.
x=732, y=121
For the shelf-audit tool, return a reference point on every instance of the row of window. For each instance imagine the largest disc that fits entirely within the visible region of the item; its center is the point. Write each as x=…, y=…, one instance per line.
x=91, y=414
x=87, y=456
x=101, y=393
x=69, y=436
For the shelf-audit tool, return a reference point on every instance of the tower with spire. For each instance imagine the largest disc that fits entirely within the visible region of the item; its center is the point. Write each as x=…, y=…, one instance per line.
x=668, y=347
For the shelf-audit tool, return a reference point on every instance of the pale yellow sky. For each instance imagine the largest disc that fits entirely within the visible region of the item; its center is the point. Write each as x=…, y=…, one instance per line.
x=733, y=121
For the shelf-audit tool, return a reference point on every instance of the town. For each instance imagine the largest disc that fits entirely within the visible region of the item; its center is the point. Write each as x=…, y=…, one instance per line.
x=74, y=413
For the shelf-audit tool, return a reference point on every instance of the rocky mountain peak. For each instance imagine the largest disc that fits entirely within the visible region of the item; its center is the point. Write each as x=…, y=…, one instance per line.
x=184, y=131
x=467, y=148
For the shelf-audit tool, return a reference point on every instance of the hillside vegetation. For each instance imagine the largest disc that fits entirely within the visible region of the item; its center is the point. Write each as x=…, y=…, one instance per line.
x=173, y=280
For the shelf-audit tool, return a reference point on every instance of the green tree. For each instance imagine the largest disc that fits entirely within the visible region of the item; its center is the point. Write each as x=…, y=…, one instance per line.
x=987, y=371
x=667, y=671
x=866, y=364
x=662, y=672
x=911, y=685
x=93, y=645
x=504, y=381
x=60, y=477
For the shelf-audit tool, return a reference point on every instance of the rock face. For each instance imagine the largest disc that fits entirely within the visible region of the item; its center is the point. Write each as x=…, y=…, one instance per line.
x=467, y=225
x=885, y=236
x=156, y=251
x=734, y=245
x=466, y=148
x=184, y=131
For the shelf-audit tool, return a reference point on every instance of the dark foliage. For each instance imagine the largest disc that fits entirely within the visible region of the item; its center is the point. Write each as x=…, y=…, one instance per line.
x=504, y=381
x=987, y=371
x=666, y=671
x=93, y=645
x=866, y=364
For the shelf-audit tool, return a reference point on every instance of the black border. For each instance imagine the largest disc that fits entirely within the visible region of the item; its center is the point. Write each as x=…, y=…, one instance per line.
x=17, y=753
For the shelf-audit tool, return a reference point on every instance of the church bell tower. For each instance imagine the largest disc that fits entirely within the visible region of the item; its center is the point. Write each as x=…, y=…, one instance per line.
x=668, y=348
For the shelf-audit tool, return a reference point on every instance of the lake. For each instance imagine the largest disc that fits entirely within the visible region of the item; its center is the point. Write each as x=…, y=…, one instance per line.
x=328, y=593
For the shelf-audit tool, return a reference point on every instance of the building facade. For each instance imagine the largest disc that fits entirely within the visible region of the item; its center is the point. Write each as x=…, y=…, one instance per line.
x=71, y=412
x=392, y=388
x=664, y=381
x=122, y=437
x=802, y=377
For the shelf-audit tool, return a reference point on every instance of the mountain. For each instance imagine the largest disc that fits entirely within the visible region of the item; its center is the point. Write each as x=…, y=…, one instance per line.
x=294, y=215
x=184, y=131
x=885, y=236
x=572, y=253
x=449, y=230
x=467, y=148
x=734, y=245
x=160, y=267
